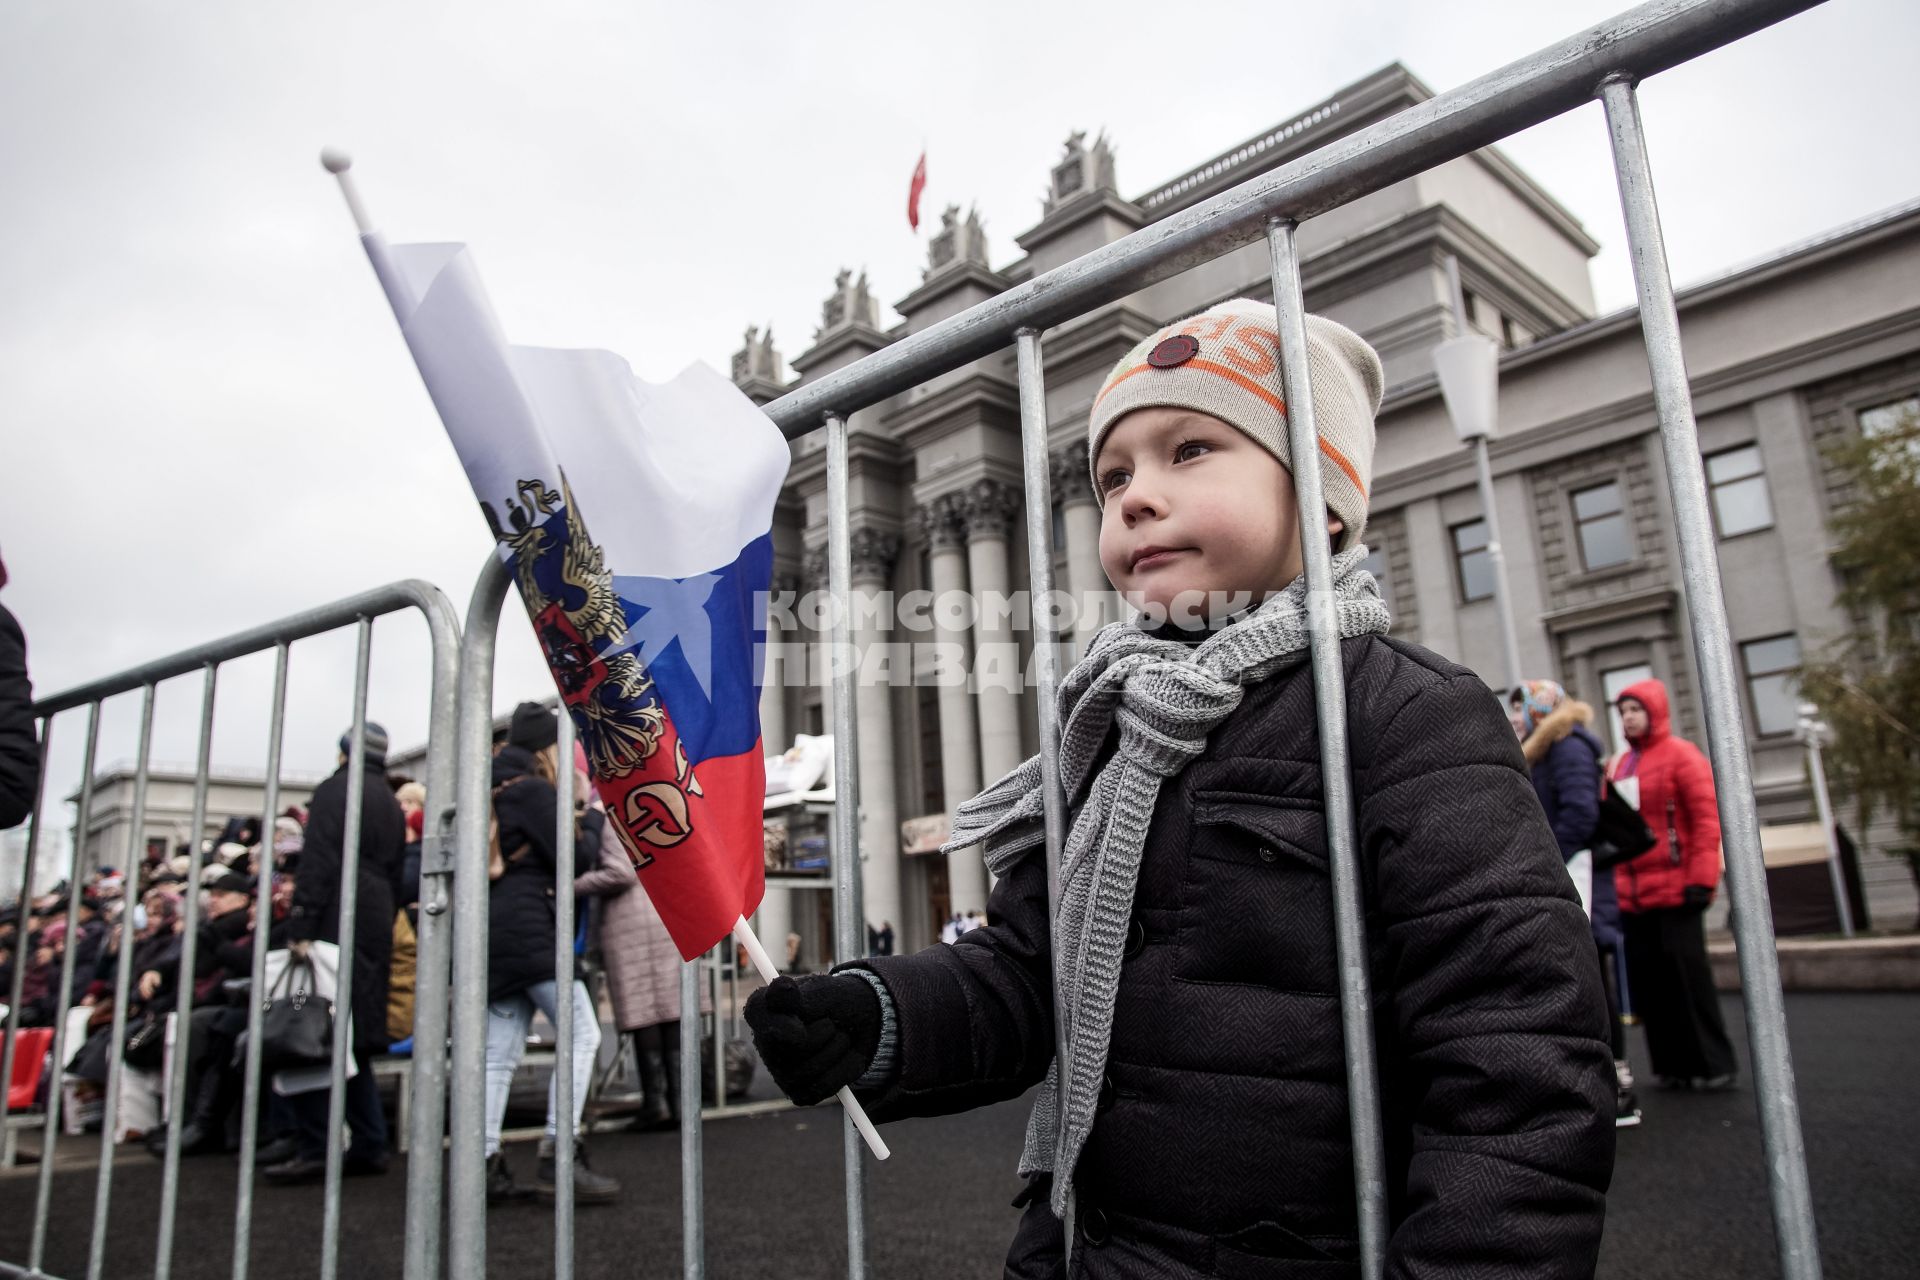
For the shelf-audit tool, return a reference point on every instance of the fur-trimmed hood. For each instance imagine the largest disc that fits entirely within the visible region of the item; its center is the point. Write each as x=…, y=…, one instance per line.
x=1560, y=722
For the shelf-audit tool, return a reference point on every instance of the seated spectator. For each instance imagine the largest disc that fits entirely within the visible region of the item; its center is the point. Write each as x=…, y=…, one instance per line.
x=223, y=954
x=155, y=943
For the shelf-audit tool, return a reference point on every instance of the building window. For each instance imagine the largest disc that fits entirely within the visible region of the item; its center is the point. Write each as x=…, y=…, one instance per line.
x=1376, y=564
x=1890, y=416
x=1471, y=559
x=1601, y=522
x=1739, y=488
x=1614, y=683
x=1771, y=666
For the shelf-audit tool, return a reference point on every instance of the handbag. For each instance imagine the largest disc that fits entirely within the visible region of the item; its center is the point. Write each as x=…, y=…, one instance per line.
x=296, y=1029
x=146, y=1046
x=1621, y=834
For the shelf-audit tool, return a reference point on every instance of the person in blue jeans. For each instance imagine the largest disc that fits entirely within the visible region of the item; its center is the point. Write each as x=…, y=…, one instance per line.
x=520, y=968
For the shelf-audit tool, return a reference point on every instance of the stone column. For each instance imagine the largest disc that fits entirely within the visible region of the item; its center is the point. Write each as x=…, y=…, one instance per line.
x=1092, y=594
x=993, y=508
x=874, y=552
x=775, y=918
x=778, y=674
x=819, y=656
x=943, y=522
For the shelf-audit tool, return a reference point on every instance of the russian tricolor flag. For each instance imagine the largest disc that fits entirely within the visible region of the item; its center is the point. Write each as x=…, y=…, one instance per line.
x=636, y=519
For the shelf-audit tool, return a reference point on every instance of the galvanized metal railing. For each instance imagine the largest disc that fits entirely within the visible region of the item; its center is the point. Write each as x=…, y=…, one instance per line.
x=466, y=1207
x=1603, y=62
x=428, y=1068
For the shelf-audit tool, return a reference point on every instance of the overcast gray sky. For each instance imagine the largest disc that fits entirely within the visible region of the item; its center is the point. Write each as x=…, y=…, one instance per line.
x=208, y=420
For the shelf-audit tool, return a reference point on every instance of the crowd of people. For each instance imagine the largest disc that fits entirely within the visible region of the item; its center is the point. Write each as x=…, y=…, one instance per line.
x=620, y=938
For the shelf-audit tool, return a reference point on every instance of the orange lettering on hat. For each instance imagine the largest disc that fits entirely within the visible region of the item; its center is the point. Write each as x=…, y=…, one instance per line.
x=1253, y=350
x=1206, y=328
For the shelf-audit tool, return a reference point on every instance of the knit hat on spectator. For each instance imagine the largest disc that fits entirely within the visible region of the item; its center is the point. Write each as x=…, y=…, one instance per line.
x=1225, y=362
x=534, y=727
x=376, y=745
x=232, y=882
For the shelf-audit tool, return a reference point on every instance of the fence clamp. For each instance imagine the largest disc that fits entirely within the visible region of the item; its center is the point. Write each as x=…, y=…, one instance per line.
x=436, y=853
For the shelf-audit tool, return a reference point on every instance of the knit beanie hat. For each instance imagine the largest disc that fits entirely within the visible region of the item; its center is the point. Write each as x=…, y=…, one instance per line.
x=376, y=745
x=1225, y=362
x=533, y=727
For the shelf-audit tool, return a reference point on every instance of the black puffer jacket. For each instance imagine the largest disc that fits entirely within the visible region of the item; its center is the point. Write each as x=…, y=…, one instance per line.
x=315, y=913
x=520, y=906
x=1222, y=1145
x=19, y=740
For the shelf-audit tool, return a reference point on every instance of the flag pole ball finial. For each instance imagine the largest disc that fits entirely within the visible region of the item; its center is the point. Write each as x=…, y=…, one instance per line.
x=334, y=160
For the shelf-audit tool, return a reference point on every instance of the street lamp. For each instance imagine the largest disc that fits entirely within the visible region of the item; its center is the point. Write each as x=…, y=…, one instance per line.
x=1813, y=731
x=1468, y=366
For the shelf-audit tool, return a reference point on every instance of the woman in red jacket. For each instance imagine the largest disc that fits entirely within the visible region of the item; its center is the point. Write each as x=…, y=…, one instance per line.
x=1664, y=895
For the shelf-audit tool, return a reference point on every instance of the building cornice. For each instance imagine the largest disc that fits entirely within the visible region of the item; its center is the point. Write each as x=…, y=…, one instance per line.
x=1634, y=604
x=955, y=275
x=1081, y=209
x=979, y=397
x=847, y=337
x=1631, y=416
x=869, y=451
x=1903, y=220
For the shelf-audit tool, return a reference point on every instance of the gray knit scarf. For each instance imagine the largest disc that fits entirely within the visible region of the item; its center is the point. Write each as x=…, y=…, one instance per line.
x=1164, y=697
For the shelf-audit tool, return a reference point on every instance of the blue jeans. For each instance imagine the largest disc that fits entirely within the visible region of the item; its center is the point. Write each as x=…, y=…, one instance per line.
x=507, y=1023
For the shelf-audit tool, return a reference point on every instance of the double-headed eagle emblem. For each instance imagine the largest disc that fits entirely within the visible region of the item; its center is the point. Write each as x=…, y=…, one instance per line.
x=578, y=619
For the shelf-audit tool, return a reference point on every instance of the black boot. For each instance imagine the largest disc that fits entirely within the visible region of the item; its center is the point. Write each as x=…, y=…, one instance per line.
x=203, y=1128
x=670, y=1063
x=588, y=1187
x=656, y=1101
x=500, y=1183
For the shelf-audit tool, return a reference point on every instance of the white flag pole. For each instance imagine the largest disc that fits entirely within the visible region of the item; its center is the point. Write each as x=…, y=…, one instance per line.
x=743, y=932
x=339, y=163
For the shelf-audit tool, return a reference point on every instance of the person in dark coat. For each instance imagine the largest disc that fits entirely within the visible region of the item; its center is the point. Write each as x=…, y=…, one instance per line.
x=520, y=945
x=315, y=917
x=1205, y=1125
x=1568, y=763
x=19, y=738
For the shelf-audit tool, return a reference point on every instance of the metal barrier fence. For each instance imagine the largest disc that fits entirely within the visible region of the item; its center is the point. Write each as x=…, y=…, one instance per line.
x=1601, y=63
x=466, y=1187
x=429, y=1069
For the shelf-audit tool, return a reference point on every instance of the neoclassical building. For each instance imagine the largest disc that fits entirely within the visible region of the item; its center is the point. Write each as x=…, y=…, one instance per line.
x=1818, y=340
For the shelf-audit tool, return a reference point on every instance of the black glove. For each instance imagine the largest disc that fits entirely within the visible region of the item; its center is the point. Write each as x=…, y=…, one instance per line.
x=815, y=1033
x=1697, y=897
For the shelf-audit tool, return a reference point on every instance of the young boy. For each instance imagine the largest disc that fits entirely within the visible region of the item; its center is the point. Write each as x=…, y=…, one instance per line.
x=1205, y=1130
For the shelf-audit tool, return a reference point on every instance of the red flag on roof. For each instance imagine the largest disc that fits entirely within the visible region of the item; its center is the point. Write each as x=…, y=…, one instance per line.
x=914, y=189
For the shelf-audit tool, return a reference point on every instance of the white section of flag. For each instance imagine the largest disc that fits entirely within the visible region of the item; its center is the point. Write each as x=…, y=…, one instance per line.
x=673, y=479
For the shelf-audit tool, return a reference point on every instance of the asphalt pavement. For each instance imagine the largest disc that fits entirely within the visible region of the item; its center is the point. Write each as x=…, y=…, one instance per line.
x=1689, y=1196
